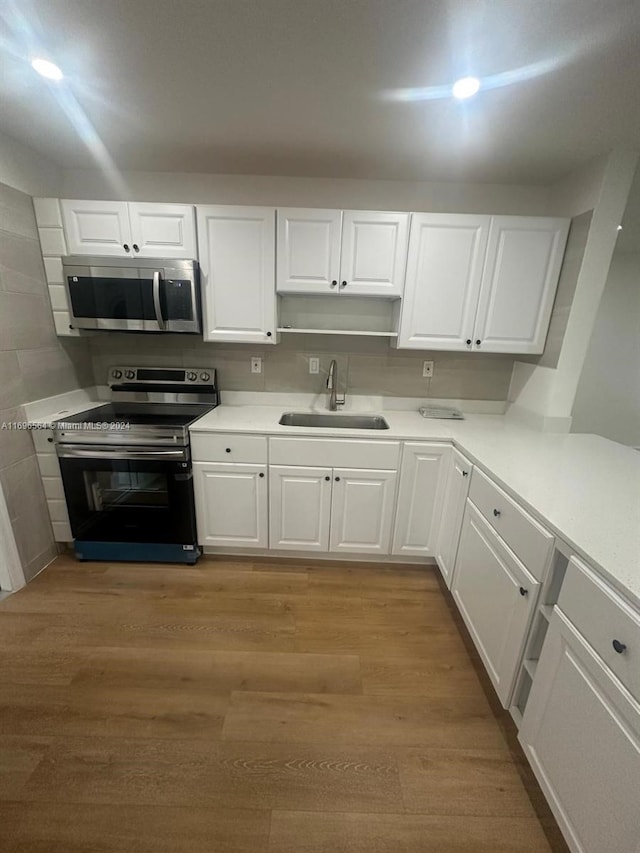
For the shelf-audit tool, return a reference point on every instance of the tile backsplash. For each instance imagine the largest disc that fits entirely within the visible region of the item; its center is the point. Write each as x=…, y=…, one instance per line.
x=365, y=365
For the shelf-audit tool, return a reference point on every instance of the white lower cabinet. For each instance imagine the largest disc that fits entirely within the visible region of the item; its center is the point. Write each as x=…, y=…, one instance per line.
x=299, y=507
x=455, y=497
x=581, y=734
x=231, y=504
x=496, y=596
x=362, y=510
x=331, y=509
x=423, y=476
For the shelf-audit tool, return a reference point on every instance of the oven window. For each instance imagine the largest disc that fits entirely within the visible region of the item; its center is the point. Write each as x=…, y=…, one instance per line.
x=107, y=490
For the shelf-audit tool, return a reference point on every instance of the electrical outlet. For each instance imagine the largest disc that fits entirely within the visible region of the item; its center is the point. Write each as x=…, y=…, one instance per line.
x=256, y=364
x=427, y=369
x=314, y=365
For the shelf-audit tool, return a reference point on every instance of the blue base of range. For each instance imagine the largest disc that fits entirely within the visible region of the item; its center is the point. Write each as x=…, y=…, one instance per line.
x=136, y=552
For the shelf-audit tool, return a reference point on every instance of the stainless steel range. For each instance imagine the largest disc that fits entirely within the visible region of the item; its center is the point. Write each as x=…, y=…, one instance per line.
x=126, y=465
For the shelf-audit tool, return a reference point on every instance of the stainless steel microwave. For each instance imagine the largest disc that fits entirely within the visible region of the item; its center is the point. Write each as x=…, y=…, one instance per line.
x=142, y=295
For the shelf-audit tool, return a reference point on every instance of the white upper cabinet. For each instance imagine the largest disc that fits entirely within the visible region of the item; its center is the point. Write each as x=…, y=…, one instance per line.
x=97, y=227
x=123, y=229
x=444, y=271
x=374, y=253
x=237, y=259
x=480, y=282
x=524, y=256
x=308, y=250
x=327, y=251
x=163, y=230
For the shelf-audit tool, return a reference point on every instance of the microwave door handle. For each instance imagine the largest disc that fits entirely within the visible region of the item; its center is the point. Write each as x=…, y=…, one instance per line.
x=157, y=279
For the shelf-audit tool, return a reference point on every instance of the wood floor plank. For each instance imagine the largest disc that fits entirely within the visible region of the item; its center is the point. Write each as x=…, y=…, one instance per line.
x=296, y=832
x=72, y=828
x=401, y=721
x=110, y=712
x=19, y=757
x=46, y=666
x=220, y=671
x=448, y=675
x=396, y=641
x=215, y=775
x=481, y=782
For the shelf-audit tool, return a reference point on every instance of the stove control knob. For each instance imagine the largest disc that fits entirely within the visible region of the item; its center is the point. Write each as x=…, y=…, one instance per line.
x=117, y=374
x=205, y=377
x=129, y=374
x=191, y=376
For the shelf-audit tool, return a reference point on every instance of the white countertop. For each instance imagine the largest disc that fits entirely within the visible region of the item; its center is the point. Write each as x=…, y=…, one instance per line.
x=584, y=488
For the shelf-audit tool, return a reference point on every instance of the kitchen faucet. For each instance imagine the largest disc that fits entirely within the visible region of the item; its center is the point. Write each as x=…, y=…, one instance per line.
x=332, y=383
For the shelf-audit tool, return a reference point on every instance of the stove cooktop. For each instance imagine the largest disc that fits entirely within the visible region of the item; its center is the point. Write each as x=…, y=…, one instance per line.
x=139, y=414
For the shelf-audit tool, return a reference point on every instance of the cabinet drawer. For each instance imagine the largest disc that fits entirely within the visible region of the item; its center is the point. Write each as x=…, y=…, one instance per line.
x=526, y=538
x=334, y=453
x=228, y=447
x=601, y=616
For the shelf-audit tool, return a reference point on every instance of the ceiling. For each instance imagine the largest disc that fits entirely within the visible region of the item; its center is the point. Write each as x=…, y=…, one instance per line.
x=335, y=88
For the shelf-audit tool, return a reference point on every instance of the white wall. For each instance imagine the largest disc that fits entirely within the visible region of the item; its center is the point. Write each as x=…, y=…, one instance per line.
x=26, y=170
x=608, y=397
x=547, y=394
x=306, y=192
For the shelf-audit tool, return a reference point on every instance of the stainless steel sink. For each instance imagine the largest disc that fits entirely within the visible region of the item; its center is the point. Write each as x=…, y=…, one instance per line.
x=311, y=419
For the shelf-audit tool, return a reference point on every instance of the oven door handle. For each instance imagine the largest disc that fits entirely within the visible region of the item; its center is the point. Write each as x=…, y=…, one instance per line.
x=66, y=451
x=157, y=279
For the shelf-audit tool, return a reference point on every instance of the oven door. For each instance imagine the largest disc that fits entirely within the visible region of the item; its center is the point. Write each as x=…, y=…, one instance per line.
x=134, y=299
x=129, y=495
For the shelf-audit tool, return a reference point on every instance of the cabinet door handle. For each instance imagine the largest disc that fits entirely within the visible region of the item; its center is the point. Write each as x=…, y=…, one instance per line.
x=268, y=334
x=619, y=647
x=478, y=342
x=344, y=284
x=524, y=591
x=125, y=246
x=334, y=283
x=465, y=473
x=136, y=248
x=469, y=342
x=261, y=474
x=327, y=478
x=497, y=513
x=337, y=479
x=227, y=450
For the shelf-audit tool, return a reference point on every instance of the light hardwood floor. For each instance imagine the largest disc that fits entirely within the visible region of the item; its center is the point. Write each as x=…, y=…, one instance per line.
x=240, y=707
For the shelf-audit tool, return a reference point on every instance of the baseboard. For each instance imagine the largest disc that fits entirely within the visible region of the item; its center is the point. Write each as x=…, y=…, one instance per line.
x=329, y=558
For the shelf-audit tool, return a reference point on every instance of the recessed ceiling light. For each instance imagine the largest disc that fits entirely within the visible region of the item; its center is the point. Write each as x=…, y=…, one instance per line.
x=466, y=87
x=47, y=69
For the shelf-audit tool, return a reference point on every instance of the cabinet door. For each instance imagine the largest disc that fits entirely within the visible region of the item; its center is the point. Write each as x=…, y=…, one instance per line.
x=444, y=270
x=308, y=250
x=237, y=259
x=163, y=230
x=524, y=256
x=581, y=734
x=362, y=510
x=299, y=507
x=374, y=253
x=455, y=496
x=97, y=227
x=423, y=477
x=496, y=597
x=231, y=504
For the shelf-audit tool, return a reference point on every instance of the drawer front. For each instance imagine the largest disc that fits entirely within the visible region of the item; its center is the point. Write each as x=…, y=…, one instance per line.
x=335, y=453
x=601, y=616
x=228, y=447
x=526, y=538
